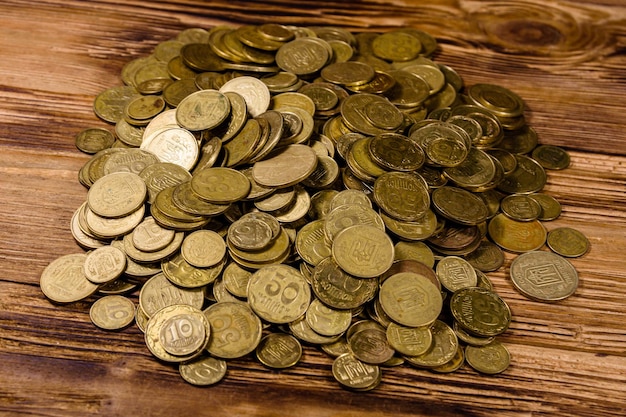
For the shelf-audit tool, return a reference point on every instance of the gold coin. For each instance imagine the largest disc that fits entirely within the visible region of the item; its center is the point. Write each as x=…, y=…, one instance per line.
x=515, y=236
x=285, y=167
x=112, y=312
x=278, y=293
x=348, y=73
x=303, y=56
x=396, y=152
x=109, y=104
x=346, y=215
x=459, y=205
x=158, y=292
x=254, y=92
x=112, y=227
x=414, y=251
x=480, y=311
x=491, y=359
x=327, y=321
x=402, y=195
x=409, y=341
x=93, y=140
x=442, y=350
x=311, y=243
x=551, y=157
x=148, y=236
x=454, y=364
x=497, y=99
x=144, y=107
x=301, y=329
x=104, y=264
x=203, y=248
x=568, y=242
x=410, y=299
x=236, y=279
x=544, y=276
x=202, y=110
x=235, y=330
x=248, y=234
x=455, y=273
x=370, y=345
x=182, y=274
x=337, y=289
x=355, y=374
x=131, y=160
x=175, y=145
x=203, y=371
x=117, y=194
x=220, y=185
x=363, y=251
x=279, y=351
x=64, y=280
x=520, y=207
x=162, y=175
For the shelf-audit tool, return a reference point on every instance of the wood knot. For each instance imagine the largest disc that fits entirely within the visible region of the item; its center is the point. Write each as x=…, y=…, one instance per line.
x=528, y=33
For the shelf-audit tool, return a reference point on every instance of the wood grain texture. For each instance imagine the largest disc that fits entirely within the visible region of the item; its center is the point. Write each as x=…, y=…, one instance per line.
x=567, y=59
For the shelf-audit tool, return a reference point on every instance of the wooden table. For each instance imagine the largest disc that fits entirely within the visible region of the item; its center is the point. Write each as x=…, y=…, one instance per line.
x=566, y=59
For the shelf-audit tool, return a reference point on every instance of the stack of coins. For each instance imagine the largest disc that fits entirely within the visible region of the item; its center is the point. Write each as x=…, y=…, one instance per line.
x=271, y=186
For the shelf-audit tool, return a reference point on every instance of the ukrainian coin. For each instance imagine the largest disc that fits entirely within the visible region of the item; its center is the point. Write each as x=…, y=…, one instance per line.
x=455, y=239
x=497, y=99
x=202, y=371
x=402, y=195
x=236, y=280
x=254, y=92
x=112, y=312
x=344, y=197
x=220, y=185
x=276, y=252
x=361, y=163
x=544, y=276
x=285, y=167
x=84, y=238
x=182, y=274
x=370, y=114
x=93, y=140
x=158, y=292
x=348, y=73
x=185, y=333
x=370, y=345
x=551, y=157
x=410, y=299
x=444, y=144
x=327, y=321
x=64, y=280
x=409, y=341
x=337, y=348
x=363, y=251
x=297, y=210
x=301, y=329
x=453, y=364
x=469, y=338
x=279, y=351
x=278, y=293
x=112, y=227
x=237, y=118
x=550, y=207
x=528, y=177
x=129, y=134
x=235, y=330
x=337, y=289
x=249, y=233
x=491, y=359
x=442, y=350
x=480, y=311
x=141, y=319
x=104, y=264
x=174, y=145
x=144, y=107
x=203, y=248
x=355, y=374
x=477, y=170
x=459, y=205
x=117, y=194
x=422, y=228
x=486, y=257
x=520, y=207
x=396, y=46
x=455, y=273
x=131, y=160
x=303, y=56
x=409, y=91
x=568, y=242
x=109, y=104
x=163, y=175
x=413, y=266
x=202, y=110
x=185, y=199
x=516, y=236
x=311, y=244
x=396, y=152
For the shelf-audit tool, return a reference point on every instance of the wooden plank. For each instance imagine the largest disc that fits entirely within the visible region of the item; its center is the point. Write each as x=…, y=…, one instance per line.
x=564, y=58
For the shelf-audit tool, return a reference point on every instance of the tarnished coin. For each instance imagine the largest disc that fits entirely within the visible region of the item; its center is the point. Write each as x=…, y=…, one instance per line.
x=104, y=264
x=493, y=358
x=182, y=274
x=486, y=257
x=327, y=321
x=311, y=243
x=369, y=344
x=363, y=251
x=396, y=152
x=528, y=177
x=286, y=166
x=459, y=205
x=409, y=341
x=544, y=276
x=480, y=311
x=442, y=350
x=249, y=233
x=551, y=157
x=112, y=312
x=279, y=350
x=568, y=242
x=202, y=371
x=117, y=194
x=550, y=207
x=94, y=139
x=64, y=280
x=520, y=207
x=235, y=330
x=202, y=110
x=303, y=56
x=410, y=299
x=402, y=195
x=278, y=293
x=455, y=273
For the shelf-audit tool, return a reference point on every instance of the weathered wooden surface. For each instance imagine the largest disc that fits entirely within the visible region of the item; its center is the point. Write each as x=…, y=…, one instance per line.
x=566, y=59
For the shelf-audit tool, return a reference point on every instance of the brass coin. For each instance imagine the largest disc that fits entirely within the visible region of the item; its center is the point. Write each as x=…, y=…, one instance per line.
x=402, y=195
x=279, y=351
x=64, y=280
x=520, y=207
x=568, y=242
x=409, y=341
x=491, y=359
x=396, y=152
x=104, y=264
x=459, y=205
x=528, y=177
x=363, y=251
x=337, y=289
x=480, y=311
x=112, y=312
x=185, y=333
x=220, y=185
x=544, y=276
x=327, y=321
x=203, y=248
x=455, y=273
x=442, y=350
x=117, y=194
x=235, y=330
x=410, y=299
x=516, y=236
x=551, y=157
x=355, y=374
x=93, y=140
x=550, y=207
x=202, y=110
x=486, y=257
x=158, y=292
x=285, y=167
x=204, y=370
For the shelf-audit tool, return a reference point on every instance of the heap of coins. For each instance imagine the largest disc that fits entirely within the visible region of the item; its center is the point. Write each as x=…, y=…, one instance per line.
x=268, y=187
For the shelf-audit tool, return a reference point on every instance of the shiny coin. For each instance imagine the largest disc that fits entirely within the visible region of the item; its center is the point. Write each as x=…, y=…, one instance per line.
x=544, y=276
x=104, y=264
x=203, y=248
x=410, y=299
x=516, y=236
x=64, y=280
x=480, y=311
x=184, y=333
x=235, y=330
x=327, y=321
x=112, y=312
x=202, y=110
x=279, y=351
x=202, y=371
x=254, y=92
x=117, y=194
x=94, y=139
x=363, y=251
x=220, y=185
